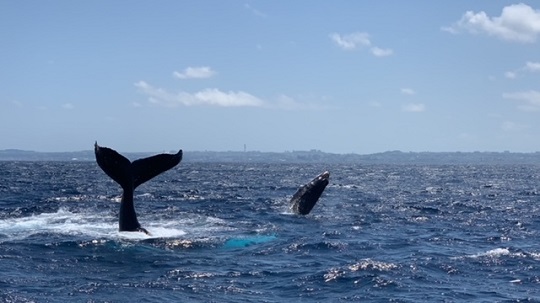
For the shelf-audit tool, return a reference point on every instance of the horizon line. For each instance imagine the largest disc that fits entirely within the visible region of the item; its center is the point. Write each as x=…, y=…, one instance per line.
x=281, y=152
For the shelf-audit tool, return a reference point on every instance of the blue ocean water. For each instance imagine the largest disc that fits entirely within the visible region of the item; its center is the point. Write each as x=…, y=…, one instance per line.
x=224, y=233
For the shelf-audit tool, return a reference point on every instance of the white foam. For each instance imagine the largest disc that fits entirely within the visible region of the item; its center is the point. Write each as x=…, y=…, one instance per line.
x=369, y=264
x=162, y=232
x=535, y=255
x=497, y=252
x=363, y=265
x=494, y=254
x=62, y=221
x=104, y=225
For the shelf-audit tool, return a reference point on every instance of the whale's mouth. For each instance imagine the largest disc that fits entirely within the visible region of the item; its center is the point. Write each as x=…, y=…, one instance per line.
x=324, y=176
x=321, y=179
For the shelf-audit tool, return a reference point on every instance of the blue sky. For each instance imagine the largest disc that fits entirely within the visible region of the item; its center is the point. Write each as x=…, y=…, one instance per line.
x=337, y=76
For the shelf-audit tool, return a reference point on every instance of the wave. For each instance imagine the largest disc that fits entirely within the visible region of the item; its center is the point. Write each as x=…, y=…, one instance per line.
x=498, y=253
x=60, y=222
x=93, y=229
x=365, y=265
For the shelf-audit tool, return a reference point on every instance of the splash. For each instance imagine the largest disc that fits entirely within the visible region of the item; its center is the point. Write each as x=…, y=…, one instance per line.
x=95, y=226
x=62, y=222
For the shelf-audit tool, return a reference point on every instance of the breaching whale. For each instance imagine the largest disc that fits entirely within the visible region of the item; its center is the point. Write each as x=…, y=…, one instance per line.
x=307, y=195
x=129, y=175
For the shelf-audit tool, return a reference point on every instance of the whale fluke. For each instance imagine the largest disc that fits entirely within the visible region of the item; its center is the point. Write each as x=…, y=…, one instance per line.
x=129, y=175
x=307, y=195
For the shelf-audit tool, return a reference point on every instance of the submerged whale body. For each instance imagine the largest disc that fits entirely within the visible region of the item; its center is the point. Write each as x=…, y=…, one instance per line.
x=129, y=175
x=307, y=195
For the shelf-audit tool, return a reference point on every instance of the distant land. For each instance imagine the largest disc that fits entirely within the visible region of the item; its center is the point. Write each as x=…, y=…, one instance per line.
x=312, y=156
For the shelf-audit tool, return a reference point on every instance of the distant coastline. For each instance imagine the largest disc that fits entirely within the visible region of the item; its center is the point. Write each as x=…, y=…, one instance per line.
x=313, y=156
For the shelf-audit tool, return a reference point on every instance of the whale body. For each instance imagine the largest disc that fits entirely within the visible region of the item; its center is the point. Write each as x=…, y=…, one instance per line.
x=307, y=195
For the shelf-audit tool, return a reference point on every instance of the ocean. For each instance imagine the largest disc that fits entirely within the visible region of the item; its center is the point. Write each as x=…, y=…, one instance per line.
x=223, y=232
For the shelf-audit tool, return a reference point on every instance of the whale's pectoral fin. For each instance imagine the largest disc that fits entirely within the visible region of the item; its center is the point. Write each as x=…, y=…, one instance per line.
x=114, y=165
x=147, y=168
x=300, y=192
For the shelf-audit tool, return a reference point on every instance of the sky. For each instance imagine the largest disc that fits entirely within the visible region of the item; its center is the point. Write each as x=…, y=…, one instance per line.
x=273, y=76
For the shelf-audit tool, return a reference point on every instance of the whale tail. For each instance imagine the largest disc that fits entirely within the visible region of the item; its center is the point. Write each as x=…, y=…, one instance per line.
x=129, y=175
x=132, y=174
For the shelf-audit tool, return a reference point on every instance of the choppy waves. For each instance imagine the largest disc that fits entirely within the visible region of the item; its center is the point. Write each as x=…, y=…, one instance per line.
x=223, y=232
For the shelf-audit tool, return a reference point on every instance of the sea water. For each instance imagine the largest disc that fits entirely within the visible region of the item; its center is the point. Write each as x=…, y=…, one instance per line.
x=223, y=232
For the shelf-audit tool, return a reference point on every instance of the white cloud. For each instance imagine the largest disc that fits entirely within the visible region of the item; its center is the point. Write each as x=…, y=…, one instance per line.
x=529, y=67
x=510, y=75
x=380, y=52
x=517, y=22
x=414, y=108
x=288, y=103
x=351, y=41
x=529, y=100
x=255, y=11
x=359, y=40
x=210, y=96
x=408, y=91
x=450, y=29
x=68, y=106
x=512, y=126
x=215, y=97
x=532, y=66
x=195, y=73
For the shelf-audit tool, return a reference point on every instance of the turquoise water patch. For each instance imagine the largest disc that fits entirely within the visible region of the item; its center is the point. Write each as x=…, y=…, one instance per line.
x=248, y=241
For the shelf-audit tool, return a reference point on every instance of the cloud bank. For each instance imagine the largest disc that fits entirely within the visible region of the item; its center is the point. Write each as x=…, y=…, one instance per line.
x=210, y=96
x=517, y=23
x=215, y=97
